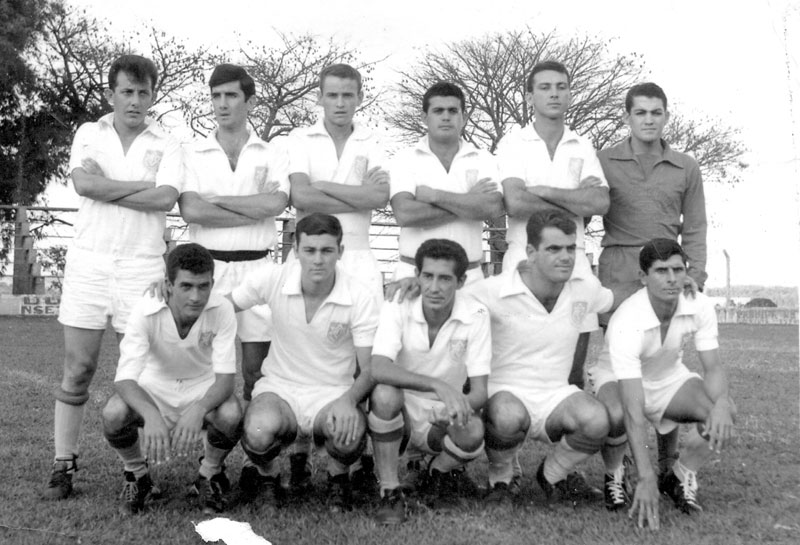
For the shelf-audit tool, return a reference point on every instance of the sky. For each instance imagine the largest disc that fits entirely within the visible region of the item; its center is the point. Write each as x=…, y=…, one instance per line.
x=738, y=63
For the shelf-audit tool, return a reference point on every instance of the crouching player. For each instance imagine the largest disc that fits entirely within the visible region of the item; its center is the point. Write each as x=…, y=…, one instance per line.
x=640, y=376
x=537, y=312
x=424, y=351
x=175, y=378
x=324, y=323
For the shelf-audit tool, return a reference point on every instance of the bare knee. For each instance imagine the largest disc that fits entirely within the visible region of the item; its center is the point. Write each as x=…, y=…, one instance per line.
x=505, y=414
x=593, y=420
x=262, y=428
x=386, y=401
x=469, y=437
x=116, y=415
x=227, y=416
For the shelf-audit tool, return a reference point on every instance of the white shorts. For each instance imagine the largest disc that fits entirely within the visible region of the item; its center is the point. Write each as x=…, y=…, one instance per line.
x=404, y=270
x=173, y=397
x=304, y=401
x=657, y=394
x=255, y=323
x=540, y=404
x=97, y=286
x=419, y=412
x=582, y=269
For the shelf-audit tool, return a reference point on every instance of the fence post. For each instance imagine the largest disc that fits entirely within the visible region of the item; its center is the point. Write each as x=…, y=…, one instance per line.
x=287, y=238
x=24, y=256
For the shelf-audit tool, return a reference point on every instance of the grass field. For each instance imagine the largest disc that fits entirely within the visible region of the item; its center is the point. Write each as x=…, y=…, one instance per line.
x=751, y=493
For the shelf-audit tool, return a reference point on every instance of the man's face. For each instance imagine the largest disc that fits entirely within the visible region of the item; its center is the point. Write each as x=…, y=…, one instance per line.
x=318, y=255
x=131, y=100
x=445, y=119
x=554, y=258
x=188, y=295
x=664, y=280
x=551, y=95
x=339, y=98
x=438, y=282
x=230, y=106
x=647, y=118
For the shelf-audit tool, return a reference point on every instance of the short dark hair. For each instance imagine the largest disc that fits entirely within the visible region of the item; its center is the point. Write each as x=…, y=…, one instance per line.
x=319, y=224
x=442, y=248
x=226, y=73
x=189, y=257
x=659, y=249
x=555, y=66
x=340, y=70
x=138, y=68
x=647, y=89
x=443, y=89
x=548, y=218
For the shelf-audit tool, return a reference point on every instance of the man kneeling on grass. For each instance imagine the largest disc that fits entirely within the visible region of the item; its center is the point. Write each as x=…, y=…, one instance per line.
x=424, y=351
x=640, y=377
x=175, y=378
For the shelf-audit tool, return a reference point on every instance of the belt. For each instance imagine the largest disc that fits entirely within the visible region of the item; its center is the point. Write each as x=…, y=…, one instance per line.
x=410, y=261
x=238, y=255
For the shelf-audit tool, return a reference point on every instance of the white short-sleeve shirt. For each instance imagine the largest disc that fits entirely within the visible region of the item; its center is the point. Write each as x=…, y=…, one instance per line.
x=533, y=348
x=154, y=156
x=418, y=165
x=312, y=152
x=462, y=348
x=633, y=347
x=316, y=353
x=523, y=154
x=209, y=174
x=152, y=350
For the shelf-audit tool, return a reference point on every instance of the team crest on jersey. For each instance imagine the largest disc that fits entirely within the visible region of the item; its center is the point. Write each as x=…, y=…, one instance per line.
x=260, y=177
x=206, y=338
x=458, y=347
x=336, y=331
x=152, y=158
x=579, y=309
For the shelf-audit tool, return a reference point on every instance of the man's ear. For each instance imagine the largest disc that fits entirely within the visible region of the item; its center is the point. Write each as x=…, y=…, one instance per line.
x=642, y=277
x=109, y=96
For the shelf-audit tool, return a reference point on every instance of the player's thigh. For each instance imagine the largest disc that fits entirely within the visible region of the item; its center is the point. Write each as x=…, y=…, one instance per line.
x=579, y=412
x=130, y=279
x=691, y=403
x=81, y=349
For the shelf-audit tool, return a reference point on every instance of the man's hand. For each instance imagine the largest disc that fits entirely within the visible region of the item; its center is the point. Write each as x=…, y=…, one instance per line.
x=719, y=424
x=456, y=403
x=590, y=181
x=157, y=290
x=425, y=194
x=342, y=420
x=484, y=185
x=408, y=288
x=690, y=288
x=92, y=167
x=155, y=440
x=188, y=430
x=375, y=176
x=645, y=502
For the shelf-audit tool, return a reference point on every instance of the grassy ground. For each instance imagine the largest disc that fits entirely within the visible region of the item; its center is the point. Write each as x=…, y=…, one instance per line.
x=751, y=493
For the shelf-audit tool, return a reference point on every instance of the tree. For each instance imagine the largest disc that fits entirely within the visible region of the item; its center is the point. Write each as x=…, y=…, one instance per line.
x=286, y=79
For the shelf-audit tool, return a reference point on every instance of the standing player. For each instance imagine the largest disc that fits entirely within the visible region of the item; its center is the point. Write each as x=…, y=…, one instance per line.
x=174, y=379
x=235, y=186
x=544, y=166
x=443, y=186
x=127, y=171
x=655, y=192
x=424, y=350
x=537, y=312
x=324, y=322
x=641, y=377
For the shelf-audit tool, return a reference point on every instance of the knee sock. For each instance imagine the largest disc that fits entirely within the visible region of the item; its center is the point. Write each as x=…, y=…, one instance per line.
x=452, y=456
x=695, y=453
x=386, y=438
x=613, y=452
x=501, y=468
x=216, y=447
x=67, y=425
x=562, y=460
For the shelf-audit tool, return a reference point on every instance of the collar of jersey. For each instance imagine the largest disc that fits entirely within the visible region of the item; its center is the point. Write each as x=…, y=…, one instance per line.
x=624, y=152
x=340, y=295
x=462, y=311
x=151, y=126
x=210, y=142
x=360, y=132
x=153, y=305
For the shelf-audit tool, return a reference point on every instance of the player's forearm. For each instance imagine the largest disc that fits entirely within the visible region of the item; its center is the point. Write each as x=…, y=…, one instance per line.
x=520, y=203
x=365, y=381
x=360, y=197
x=137, y=399
x=417, y=214
x=256, y=207
x=160, y=199
x=385, y=371
x=584, y=202
x=100, y=188
x=475, y=206
x=217, y=393
x=195, y=209
x=632, y=397
x=309, y=199
x=478, y=392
